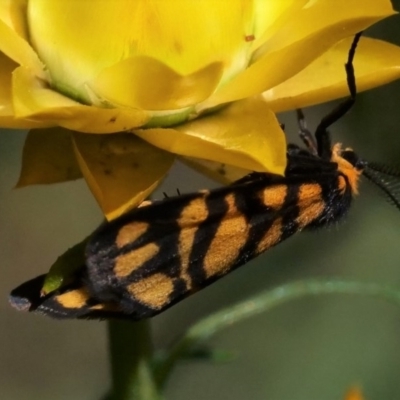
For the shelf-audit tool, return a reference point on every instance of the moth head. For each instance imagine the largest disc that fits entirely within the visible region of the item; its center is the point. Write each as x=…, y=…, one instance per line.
x=350, y=156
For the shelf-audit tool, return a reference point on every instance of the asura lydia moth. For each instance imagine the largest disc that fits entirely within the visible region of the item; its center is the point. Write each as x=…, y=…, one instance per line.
x=156, y=255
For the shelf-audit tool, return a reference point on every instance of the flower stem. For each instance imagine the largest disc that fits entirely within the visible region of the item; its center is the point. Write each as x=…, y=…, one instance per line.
x=201, y=331
x=131, y=351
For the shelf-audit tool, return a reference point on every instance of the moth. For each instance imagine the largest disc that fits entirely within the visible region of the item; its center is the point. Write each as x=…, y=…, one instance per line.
x=149, y=259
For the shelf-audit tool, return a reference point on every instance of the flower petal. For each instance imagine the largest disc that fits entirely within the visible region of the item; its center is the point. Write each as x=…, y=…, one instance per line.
x=376, y=63
x=19, y=50
x=13, y=13
x=143, y=82
x=184, y=35
x=318, y=27
x=222, y=173
x=48, y=157
x=34, y=101
x=7, y=118
x=271, y=16
x=121, y=170
x=245, y=134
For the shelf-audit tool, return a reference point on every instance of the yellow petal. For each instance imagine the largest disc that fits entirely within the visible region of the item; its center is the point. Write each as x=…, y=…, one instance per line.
x=121, y=170
x=245, y=134
x=222, y=173
x=271, y=16
x=376, y=63
x=19, y=50
x=7, y=66
x=48, y=157
x=34, y=101
x=143, y=82
x=319, y=15
x=317, y=28
x=7, y=118
x=184, y=35
x=13, y=13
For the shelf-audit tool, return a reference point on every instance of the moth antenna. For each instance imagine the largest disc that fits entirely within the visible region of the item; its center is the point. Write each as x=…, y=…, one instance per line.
x=385, y=169
x=321, y=133
x=388, y=182
x=165, y=195
x=178, y=191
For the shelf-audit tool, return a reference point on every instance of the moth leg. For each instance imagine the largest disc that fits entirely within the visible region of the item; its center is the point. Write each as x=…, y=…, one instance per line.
x=168, y=197
x=321, y=133
x=252, y=177
x=305, y=134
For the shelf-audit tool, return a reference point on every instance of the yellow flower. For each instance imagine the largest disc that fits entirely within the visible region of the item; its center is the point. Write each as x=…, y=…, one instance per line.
x=354, y=393
x=154, y=69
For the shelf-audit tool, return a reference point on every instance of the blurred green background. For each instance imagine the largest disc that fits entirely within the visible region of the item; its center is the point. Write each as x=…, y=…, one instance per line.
x=313, y=348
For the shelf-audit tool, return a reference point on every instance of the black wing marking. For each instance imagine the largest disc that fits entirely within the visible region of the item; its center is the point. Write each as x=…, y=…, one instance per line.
x=100, y=290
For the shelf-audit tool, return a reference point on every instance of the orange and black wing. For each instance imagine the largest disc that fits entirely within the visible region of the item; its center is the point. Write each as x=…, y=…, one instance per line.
x=149, y=259
x=70, y=301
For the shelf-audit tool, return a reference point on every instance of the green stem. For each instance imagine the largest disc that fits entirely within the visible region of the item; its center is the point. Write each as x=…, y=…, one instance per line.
x=204, y=329
x=131, y=351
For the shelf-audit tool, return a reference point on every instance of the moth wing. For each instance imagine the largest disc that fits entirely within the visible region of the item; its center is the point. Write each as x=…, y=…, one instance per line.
x=155, y=256
x=70, y=301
